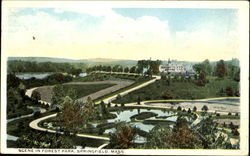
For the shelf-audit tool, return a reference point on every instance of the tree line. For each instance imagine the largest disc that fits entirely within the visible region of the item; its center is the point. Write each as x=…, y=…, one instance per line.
x=220, y=69
x=18, y=66
x=143, y=67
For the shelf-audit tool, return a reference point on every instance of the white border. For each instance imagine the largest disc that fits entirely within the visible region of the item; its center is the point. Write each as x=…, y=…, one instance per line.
x=243, y=7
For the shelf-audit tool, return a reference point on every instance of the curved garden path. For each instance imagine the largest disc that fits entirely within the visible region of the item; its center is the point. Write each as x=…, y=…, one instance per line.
x=34, y=123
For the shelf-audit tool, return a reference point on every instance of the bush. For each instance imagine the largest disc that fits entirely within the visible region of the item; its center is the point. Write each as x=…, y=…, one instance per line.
x=194, y=109
x=167, y=95
x=229, y=113
x=179, y=108
x=229, y=91
x=204, y=108
x=37, y=114
x=235, y=132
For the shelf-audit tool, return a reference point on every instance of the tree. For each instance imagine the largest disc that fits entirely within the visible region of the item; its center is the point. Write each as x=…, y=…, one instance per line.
x=220, y=69
x=184, y=138
x=156, y=139
x=202, y=79
x=132, y=69
x=12, y=81
x=58, y=94
x=75, y=71
x=207, y=131
x=204, y=108
x=179, y=108
x=126, y=70
x=123, y=137
x=167, y=95
x=229, y=91
x=237, y=76
x=104, y=110
x=89, y=110
x=194, y=109
x=203, y=67
x=138, y=100
x=43, y=140
x=189, y=110
x=109, y=69
x=72, y=114
x=115, y=68
x=118, y=97
x=36, y=95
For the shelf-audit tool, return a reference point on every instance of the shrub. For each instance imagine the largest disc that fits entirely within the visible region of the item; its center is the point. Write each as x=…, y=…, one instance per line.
x=179, y=108
x=204, y=108
x=37, y=114
x=235, y=132
x=167, y=95
x=194, y=109
x=229, y=113
x=229, y=91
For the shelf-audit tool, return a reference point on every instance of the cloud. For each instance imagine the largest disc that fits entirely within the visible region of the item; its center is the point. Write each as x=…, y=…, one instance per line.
x=113, y=36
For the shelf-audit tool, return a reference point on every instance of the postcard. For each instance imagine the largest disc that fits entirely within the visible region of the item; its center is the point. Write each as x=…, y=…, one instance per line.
x=125, y=77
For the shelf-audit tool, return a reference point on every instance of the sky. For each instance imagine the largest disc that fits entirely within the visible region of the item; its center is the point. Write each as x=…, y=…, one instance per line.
x=124, y=33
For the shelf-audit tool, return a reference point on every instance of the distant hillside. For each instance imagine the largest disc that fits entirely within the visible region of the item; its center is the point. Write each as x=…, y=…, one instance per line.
x=108, y=61
x=45, y=59
x=90, y=62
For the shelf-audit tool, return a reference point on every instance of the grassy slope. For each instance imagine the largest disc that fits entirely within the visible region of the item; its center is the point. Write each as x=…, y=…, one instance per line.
x=180, y=90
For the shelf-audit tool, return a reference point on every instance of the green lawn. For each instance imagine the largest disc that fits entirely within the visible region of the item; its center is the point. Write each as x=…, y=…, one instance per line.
x=84, y=90
x=180, y=90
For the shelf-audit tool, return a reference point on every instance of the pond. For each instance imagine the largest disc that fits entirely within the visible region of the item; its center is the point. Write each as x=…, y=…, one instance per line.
x=124, y=116
x=83, y=74
x=26, y=76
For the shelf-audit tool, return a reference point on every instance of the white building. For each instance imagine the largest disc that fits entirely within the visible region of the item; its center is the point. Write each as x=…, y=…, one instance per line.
x=172, y=67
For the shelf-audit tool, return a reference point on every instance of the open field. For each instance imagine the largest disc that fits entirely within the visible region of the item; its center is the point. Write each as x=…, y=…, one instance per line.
x=86, y=89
